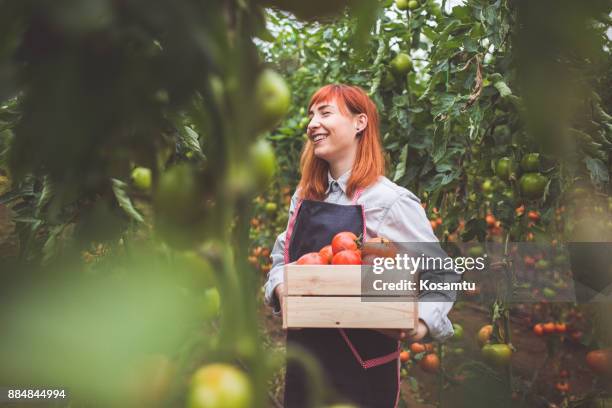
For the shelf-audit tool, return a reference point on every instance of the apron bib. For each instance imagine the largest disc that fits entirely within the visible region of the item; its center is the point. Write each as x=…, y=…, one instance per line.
x=361, y=365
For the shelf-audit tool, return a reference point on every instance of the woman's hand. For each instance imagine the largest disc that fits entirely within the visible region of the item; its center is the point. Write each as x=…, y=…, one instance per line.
x=410, y=335
x=279, y=291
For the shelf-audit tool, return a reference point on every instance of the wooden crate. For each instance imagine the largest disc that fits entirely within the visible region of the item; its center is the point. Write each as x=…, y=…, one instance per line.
x=327, y=296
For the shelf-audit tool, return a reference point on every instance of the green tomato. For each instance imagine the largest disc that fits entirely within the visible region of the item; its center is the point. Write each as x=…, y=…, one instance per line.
x=413, y=4
x=458, y=331
x=402, y=4
x=271, y=208
x=401, y=64
x=476, y=251
x=497, y=354
x=487, y=186
x=504, y=168
x=273, y=98
x=212, y=303
x=549, y=293
x=177, y=196
x=542, y=265
x=530, y=162
x=458, y=351
x=141, y=178
x=532, y=185
x=263, y=162
x=220, y=386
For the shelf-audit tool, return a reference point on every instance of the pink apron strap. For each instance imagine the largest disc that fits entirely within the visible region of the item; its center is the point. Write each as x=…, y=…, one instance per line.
x=354, y=202
x=373, y=362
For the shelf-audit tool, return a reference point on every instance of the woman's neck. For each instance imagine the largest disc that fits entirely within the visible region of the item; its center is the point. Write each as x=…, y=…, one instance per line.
x=339, y=168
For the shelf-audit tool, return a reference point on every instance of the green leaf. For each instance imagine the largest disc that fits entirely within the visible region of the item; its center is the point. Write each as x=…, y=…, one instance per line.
x=598, y=170
x=124, y=201
x=400, y=169
x=190, y=139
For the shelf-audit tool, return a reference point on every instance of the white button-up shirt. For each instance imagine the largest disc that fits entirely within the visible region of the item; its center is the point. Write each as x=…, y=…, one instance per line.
x=392, y=212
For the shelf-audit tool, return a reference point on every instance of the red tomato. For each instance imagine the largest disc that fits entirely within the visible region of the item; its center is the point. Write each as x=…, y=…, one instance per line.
x=549, y=327
x=533, y=215
x=404, y=356
x=347, y=257
x=327, y=253
x=600, y=361
x=430, y=363
x=562, y=386
x=344, y=240
x=560, y=327
x=417, y=348
x=311, y=258
x=538, y=329
x=379, y=247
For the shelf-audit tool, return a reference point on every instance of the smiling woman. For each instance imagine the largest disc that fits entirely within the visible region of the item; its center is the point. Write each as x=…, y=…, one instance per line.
x=343, y=188
x=343, y=131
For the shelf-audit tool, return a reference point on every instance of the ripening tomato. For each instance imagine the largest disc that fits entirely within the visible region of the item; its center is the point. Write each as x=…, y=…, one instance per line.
x=600, y=361
x=533, y=215
x=417, y=348
x=497, y=354
x=549, y=327
x=430, y=363
x=220, y=385
x=562, y=386
x=538, y=329
x=344, y=240
x=490, y=219
x=560, y=327
x=404, y=356
x=327, y=253
x=347, y=257
x=379, y=247
x=484, y=334
x=311, y=258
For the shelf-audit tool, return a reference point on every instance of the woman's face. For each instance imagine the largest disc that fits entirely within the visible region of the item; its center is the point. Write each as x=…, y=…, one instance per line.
x=333, y=133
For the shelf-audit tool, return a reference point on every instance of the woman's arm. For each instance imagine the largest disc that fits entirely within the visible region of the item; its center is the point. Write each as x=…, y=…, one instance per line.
x=406, y=221
x=275, y=277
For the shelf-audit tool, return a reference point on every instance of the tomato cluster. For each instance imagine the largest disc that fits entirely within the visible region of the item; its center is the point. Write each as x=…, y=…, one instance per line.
x=542, y=329
x=343, y=250
x=347, y=249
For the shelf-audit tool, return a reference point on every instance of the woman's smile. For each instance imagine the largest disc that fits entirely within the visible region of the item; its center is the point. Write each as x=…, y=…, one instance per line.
x=317, y=138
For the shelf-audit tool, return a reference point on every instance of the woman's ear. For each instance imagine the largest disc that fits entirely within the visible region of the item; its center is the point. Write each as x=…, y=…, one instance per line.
x=361, y=121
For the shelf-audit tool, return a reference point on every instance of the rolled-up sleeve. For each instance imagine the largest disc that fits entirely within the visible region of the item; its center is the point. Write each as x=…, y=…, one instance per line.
x=275, y=276
x=406, y=221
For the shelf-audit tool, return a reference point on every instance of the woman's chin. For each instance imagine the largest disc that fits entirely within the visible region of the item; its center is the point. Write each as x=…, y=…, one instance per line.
x=321, y=153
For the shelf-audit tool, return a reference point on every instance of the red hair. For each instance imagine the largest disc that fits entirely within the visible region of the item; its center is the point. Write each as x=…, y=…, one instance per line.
x=369, y=162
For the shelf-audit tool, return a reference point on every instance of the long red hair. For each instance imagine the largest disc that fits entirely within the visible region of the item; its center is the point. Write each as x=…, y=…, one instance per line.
x=369, y=162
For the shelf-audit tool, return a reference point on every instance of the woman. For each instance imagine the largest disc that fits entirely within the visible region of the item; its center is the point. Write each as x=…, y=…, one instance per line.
x=343, y=188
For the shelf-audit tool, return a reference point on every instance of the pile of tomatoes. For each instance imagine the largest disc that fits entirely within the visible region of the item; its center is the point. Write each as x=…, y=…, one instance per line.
x=347, y=249
x=343, y=250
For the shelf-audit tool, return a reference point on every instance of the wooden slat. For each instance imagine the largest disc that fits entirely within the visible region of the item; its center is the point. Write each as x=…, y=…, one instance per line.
x=323, y=280
x=348, y=312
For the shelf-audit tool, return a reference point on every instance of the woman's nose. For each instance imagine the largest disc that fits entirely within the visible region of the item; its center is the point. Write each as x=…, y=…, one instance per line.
x=313, y=124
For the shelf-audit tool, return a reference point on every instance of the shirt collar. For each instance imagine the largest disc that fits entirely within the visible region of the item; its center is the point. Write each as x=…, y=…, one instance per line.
x=342, y=181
